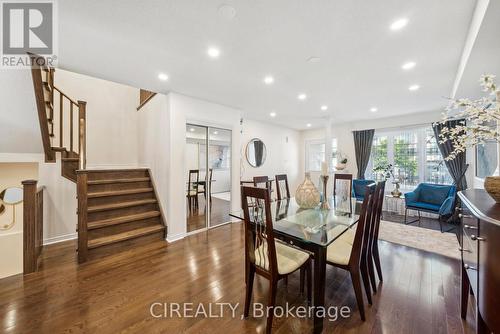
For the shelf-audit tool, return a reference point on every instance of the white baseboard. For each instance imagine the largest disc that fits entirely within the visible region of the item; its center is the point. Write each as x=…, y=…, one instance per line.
x=61, y=238
x=175, y=237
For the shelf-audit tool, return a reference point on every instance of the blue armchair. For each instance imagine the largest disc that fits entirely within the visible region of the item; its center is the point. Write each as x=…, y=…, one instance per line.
x=359, y=188
x=433, y=198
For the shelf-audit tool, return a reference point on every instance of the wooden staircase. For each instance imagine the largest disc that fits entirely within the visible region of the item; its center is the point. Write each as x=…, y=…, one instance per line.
x=116, y=208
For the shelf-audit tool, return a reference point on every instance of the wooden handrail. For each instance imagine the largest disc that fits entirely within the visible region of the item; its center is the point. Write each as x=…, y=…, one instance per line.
x=66, y=96
x=41, y=108
x=32, y=225
x=144, y=97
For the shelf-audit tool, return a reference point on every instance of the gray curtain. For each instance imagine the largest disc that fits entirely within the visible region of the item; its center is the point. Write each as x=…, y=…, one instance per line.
x=362, y=148
x=457, y=166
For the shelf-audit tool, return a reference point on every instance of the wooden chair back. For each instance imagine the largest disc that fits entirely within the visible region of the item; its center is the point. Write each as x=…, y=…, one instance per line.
x=282, y=189
x=259, y=236
x=258, y=181
x=193, y=181
x=379, y=196
x=361, y=237
x=342, y=178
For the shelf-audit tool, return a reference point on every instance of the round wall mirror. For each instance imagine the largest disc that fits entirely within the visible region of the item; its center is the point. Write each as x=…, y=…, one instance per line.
x=256, y=152
x=12, y=196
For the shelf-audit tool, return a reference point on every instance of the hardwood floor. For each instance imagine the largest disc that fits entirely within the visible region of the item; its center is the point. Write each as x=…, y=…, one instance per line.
x=196, y=216
x=420, y=293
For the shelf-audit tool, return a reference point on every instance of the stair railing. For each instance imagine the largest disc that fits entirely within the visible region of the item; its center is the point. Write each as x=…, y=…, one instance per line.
x=49, y=98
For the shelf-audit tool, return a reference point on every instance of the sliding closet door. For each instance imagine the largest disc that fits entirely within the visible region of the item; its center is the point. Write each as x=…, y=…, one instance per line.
x=196, y=162
x=219, y=176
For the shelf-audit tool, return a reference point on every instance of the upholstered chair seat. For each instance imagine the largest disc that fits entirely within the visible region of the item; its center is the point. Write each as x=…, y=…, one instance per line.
x=289, y=258
x=339, y=252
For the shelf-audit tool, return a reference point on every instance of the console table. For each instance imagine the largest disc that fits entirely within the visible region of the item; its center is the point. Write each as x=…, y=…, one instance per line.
x=480, y=245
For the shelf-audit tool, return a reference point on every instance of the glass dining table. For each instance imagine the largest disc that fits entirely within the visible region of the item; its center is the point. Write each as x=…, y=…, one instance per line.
x=312, y=230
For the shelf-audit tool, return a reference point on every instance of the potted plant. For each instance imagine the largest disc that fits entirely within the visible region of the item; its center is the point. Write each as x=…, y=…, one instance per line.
x=342, y=162
x=475, y=130
x=387, y=171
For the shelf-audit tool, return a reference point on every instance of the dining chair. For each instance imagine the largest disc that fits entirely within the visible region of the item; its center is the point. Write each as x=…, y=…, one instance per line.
x=264, y=256
x=263, y=182
x=374, y=255
x=202, y=188
x=192, y=190
x=282, y=189
x=344, y=191
x=351, y=256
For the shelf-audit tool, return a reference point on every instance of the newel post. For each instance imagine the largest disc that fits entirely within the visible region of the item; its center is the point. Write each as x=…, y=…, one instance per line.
x=82, y=137
x=29, y=226
x=81, y=188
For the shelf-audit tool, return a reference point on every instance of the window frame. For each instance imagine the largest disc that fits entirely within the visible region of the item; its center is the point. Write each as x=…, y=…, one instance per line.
x=421, y=154
x=308, y=144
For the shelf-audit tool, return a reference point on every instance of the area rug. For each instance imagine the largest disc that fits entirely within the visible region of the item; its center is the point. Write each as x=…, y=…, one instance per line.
x=421, y=238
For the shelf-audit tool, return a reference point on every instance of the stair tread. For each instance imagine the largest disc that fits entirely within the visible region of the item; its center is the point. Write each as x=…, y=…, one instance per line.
x=129, y=180
x=119, y=192
x=120, y=205
x=123, y=219
x=107, y=240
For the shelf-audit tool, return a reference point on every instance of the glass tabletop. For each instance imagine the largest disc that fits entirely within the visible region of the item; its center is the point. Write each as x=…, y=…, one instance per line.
x=315, y=225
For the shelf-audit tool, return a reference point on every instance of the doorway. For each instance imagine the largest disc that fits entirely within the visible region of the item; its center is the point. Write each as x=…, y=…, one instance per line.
x=208, y=172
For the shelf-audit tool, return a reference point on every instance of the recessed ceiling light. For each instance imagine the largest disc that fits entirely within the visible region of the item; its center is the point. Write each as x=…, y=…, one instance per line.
x=399, y=24
x=272, y=114
x=324, y=107
x=268, y=80
x=409, y=65
x=302, y=96
x=374, y=109
x=227, y=11
x=213, y=52
x=163, y=77
x=313, y=59
x=191, y=129
x=308, y=125
x=216, y=132
x=414, y=87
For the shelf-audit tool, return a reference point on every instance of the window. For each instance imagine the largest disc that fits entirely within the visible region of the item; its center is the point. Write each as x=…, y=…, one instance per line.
x=414, y=155
x=315, y=154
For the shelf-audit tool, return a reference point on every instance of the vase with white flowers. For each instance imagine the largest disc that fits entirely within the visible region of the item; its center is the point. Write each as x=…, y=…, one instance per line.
x=476, y=128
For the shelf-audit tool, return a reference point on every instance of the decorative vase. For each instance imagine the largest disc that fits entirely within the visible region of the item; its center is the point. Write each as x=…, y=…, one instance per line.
x=492, y=187
x=396, y=192
x=307, y=196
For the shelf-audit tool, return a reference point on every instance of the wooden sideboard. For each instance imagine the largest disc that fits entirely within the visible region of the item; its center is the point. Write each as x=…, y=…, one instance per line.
x=480, y=244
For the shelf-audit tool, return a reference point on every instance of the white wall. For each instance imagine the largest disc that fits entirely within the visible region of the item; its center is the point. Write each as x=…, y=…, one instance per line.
x=154, y=146
x=283, y=152
x=11, y=240
x=162, y=148
x=111, y=118
x=18, y=114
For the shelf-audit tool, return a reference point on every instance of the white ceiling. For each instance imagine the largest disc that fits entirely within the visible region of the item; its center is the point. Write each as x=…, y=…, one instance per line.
x=485, y=56
x=131, y=42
